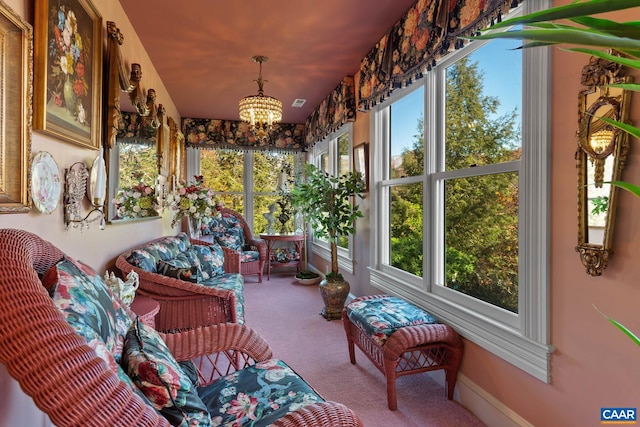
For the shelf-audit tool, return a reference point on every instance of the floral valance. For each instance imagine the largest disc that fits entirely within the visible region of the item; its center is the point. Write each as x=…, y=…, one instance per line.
x=136, y=129
x=337, y=109
x=233, y=134
x=426, y=33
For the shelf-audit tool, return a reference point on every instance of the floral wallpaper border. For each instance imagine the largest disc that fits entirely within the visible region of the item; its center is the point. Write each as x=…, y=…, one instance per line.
x=427, y=32
x=337, y=109
x=233, y=134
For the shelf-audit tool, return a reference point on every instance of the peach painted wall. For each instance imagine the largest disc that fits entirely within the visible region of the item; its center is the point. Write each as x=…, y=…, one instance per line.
x=95, y=247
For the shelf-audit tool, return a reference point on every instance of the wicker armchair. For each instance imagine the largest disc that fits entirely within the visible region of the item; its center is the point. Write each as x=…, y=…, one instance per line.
x=248, y=264
x=183, y=304
x=72, y=385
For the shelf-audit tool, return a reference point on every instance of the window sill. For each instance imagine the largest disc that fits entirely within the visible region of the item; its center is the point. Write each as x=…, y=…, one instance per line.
x=508, y=343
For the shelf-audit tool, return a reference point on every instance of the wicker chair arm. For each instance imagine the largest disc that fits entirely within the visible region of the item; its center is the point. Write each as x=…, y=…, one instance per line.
x=52, y=364
x=323, y=414
x=187, y=345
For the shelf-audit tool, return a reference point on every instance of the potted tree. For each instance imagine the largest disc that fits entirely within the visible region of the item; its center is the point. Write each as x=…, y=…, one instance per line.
x=327, y=204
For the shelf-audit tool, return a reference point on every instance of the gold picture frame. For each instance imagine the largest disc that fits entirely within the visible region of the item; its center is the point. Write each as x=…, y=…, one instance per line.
x=68, y=78
x=361, y=162
x=16, y=63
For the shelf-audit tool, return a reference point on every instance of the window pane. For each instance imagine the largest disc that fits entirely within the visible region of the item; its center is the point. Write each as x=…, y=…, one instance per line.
x=343, y=153
x=481, y=238
x=483, y=106
x=267, y=166
x=222, y=170
x=406, y=228
x=324, y=162
x=262, y=207
x=407, y=135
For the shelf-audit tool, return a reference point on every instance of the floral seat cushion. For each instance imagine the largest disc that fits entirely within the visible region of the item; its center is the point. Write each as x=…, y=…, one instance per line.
x=380, y=317
x=227, y=231
x=269, y=391
x=249, y=256
x=232, y=282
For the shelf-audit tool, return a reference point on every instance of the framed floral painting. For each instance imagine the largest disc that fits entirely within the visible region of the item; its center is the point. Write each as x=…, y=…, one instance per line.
x=16, y=68
x=68, y=65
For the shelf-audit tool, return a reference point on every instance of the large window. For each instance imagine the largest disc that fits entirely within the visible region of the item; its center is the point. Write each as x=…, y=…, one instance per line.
x=246, y=182
x=460, y=206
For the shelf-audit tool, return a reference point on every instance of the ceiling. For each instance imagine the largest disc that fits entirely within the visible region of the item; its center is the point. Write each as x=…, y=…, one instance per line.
x=202, y=49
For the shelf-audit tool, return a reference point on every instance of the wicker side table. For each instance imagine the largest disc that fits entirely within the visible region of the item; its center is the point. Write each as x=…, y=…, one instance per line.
x=146, y=308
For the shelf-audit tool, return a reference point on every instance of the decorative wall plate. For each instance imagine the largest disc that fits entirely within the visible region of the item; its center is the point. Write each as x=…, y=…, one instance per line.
x=45, y=182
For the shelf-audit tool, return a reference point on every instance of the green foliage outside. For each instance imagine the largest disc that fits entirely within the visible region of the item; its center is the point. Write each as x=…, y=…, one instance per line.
x=137, y=165
x=223, y=171
x=590, y=34
x=481, y=212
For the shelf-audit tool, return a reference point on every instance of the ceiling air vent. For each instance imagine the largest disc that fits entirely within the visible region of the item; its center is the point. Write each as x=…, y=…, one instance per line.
x=298, y=103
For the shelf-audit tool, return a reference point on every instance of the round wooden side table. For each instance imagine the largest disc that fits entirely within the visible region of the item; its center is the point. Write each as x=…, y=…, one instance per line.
x=146, y=308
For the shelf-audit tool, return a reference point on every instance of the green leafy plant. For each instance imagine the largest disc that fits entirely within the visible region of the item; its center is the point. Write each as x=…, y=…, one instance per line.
x=587, y=35
x=326, y=202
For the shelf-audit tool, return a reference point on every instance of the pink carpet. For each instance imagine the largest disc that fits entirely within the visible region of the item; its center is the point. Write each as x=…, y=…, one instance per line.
x=286, y=314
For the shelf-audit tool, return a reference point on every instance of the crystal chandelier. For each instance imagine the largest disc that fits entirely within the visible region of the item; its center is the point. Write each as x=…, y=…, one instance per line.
x=260, y=111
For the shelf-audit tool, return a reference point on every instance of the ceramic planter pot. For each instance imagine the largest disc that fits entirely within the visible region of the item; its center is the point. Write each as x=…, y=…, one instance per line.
x=334, y=294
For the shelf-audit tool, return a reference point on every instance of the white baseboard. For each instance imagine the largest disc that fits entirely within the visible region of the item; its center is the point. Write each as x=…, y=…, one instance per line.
x=483, y=405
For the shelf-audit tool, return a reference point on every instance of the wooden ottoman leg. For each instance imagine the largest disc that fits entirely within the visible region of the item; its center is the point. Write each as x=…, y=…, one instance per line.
x=390, y=374
x=346, y=322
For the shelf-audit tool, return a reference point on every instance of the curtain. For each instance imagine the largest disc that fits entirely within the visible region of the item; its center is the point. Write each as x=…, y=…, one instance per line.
x=427, y=32
x=237, y=135
x=136, y=129
x=337, y=109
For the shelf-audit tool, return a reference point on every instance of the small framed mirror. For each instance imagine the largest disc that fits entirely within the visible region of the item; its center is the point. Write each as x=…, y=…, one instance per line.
x=601, y=157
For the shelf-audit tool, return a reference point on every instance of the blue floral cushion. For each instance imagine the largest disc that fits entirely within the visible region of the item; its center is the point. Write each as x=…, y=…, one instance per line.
x=154, y=370
x=381, y=317
x=257, y=395
x=227, y=231
x=87, y=305
x=210, y=258
x=233, y=282
x=249, y=256
x=144, y=260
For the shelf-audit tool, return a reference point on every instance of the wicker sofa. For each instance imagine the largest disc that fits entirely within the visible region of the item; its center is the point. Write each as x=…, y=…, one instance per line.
x=66, y=333
x=199, y=284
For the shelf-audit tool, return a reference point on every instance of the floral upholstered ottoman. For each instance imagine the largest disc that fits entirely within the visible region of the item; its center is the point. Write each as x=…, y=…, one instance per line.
x=401, y=339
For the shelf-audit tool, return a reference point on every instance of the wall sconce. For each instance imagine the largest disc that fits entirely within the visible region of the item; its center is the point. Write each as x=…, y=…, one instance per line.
x=76, y=189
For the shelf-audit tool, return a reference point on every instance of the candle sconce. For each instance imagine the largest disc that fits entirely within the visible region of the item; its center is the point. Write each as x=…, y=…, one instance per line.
x=75, y=190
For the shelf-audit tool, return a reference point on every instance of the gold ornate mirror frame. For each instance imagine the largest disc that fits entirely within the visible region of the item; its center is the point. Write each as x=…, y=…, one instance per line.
x=122, y=83
x=601, y=156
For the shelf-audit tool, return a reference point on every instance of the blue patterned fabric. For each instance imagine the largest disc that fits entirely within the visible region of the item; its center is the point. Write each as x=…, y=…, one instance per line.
x=227, y=231
x=249, y=256
x=155, y=371
x=86, y=303
x=270, y=390
x=210, y=259
x=144, y=260
x=233, y=282
x=381, y=317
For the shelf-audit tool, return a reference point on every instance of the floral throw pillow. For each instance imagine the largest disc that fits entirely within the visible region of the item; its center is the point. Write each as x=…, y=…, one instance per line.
x=81, y=295
x=153, y=369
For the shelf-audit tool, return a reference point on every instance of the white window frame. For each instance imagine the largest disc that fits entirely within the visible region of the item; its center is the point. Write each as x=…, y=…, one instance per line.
x=329, y=145
x=521, y=339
